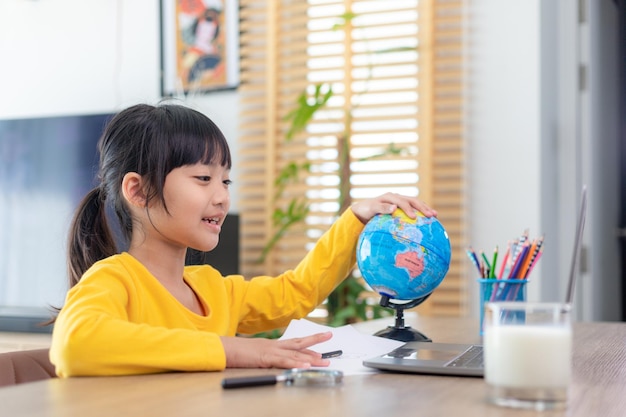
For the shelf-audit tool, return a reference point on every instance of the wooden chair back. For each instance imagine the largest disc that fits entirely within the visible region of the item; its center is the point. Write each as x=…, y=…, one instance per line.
x=25, y=366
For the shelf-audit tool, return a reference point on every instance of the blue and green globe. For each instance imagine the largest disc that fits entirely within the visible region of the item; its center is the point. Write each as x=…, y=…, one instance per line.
x=403, y=258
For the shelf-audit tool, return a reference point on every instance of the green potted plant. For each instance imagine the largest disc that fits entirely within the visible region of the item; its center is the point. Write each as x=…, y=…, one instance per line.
x=346, y=304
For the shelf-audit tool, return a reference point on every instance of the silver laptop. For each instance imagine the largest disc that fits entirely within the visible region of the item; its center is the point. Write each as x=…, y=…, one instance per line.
x=460, y=359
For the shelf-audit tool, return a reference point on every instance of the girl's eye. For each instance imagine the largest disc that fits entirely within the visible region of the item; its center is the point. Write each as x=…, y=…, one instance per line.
x=204, y=178
x=227, y=182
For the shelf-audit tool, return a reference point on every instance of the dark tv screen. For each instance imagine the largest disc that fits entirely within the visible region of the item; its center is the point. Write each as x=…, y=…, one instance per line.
x=46, y=166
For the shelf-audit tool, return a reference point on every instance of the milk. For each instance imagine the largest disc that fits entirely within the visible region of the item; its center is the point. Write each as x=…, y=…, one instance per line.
x=528, y=356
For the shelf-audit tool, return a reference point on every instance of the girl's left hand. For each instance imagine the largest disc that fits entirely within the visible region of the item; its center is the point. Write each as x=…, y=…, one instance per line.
x=387, y=204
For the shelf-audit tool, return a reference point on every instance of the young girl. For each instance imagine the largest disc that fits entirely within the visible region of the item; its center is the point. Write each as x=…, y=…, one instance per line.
x=165, y=172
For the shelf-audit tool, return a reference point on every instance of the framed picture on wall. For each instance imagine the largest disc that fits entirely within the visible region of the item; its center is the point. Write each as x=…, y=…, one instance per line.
x=199, y=46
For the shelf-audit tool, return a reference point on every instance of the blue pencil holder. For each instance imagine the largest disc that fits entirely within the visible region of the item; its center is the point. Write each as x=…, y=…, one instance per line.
x=492, y=290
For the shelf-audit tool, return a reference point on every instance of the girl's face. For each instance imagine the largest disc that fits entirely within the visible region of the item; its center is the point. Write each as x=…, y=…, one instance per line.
x=198, y=200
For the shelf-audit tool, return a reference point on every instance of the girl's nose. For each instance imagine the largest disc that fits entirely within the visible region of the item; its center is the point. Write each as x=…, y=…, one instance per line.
x=222, y=197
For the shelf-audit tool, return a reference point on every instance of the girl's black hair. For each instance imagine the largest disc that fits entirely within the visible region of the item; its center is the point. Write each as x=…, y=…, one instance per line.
x=148, y=140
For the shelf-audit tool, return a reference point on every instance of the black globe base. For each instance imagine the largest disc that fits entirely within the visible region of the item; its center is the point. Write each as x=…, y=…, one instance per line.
x=399, y=331
x=403, y=334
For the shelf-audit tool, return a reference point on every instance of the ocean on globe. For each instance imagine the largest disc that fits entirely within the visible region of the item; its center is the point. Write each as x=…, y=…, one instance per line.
x=403, y=258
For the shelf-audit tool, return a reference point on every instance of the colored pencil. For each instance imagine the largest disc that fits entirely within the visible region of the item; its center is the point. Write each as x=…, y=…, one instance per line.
x=533, y=256
x=532, y=251
x=505, y=260
x=472, y=255
x=487, y=265
x=518, y=261
x=532, y=265
x=493, y=263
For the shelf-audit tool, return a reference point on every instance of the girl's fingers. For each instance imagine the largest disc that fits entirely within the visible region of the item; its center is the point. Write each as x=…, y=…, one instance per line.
x=296, y=352
x=302, y=343
x=410, y=207
x=387, y=203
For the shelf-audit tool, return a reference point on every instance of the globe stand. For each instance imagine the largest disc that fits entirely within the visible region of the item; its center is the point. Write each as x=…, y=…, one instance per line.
x=399, y=331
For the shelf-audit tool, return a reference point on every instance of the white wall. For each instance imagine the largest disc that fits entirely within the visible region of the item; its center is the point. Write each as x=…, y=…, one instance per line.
x=503, y=124
x=538, y=128
x=76, y=57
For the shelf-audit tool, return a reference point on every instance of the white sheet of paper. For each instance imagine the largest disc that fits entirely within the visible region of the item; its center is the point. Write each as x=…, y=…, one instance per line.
x=356, y=346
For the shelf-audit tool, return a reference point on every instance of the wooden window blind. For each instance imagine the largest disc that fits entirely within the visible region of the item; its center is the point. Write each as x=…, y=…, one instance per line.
x=395, y=69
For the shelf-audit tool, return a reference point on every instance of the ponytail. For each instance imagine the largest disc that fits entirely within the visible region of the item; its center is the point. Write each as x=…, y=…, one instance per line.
x=90, y=237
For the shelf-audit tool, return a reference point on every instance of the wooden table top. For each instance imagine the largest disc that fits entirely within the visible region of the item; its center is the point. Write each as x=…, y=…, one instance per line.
x=598, y=387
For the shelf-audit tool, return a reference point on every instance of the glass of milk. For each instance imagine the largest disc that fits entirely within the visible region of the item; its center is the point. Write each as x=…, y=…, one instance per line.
x=528, y=354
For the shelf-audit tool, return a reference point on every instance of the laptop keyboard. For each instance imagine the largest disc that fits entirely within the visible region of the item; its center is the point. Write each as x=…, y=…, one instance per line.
x=471, y=358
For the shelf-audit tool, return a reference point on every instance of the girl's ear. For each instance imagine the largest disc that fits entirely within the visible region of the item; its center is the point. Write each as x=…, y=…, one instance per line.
x=132, y=189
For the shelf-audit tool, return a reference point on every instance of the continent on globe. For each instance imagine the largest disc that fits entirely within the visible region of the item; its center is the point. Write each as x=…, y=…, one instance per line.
x=411, y=262
x=403, y=258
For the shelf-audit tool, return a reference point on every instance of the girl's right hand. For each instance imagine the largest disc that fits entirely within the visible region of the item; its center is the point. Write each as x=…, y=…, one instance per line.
x=242, y=352
x=387, y=204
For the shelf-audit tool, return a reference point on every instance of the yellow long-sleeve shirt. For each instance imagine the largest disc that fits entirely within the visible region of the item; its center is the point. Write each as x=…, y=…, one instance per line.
x=120, y=320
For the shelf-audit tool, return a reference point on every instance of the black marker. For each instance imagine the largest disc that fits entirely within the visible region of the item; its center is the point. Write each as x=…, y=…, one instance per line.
x=333, y=354
x=295, y=377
